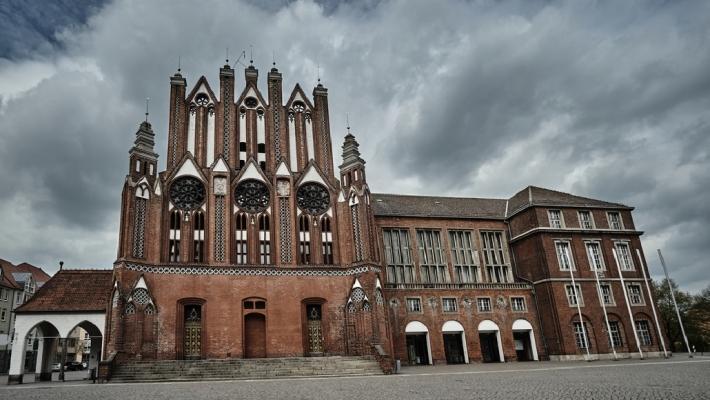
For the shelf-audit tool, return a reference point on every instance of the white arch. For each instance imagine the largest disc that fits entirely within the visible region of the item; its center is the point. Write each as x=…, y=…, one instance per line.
x=521, y=325
x=487, y=326
x=416, y=327
x=456, y=327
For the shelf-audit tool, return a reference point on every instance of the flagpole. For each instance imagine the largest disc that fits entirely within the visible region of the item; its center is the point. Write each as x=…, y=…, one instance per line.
x=628, y=305
x=652, y=301
x=670, y=287
x=606, y=316
x=579, y=309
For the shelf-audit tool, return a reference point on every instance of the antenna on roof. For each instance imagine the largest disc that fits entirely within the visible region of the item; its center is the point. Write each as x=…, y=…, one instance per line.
x=251, y=55
x=318, y=73
x=273, y=57
x=147, y=102
x=347, y=121
x=226, y=60
x=179, y=63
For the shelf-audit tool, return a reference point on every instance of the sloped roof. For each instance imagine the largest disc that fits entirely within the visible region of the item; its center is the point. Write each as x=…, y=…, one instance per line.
x=7, y=280
x=537, y=196
x=72, y=291
x=395, y=205
x=38, y=273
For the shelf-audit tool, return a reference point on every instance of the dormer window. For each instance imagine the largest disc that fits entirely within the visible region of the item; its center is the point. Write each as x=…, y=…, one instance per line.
x=555, y=219
x=615, y=221
x=585, y=220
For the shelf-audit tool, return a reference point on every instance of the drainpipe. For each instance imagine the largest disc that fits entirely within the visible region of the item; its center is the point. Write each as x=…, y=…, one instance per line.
x=537, y=309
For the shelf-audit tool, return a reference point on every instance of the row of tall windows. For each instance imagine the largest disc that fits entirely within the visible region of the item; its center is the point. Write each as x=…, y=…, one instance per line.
x=586, y=219
x=642, y=326
x=606, y=295
x=306, y=224
x=433, y=263
x=198, y=236
x=595, y=255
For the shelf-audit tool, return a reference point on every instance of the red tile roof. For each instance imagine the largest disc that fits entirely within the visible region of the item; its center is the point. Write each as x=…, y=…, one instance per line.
x=7, y=280
x=37, y=273
x=72, y=291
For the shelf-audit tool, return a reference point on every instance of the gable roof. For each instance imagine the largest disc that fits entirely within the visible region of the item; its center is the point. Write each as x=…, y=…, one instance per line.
x=394, y=205
x=38, y=273
x=537, y=196
x=6, y=278
x=72, y=291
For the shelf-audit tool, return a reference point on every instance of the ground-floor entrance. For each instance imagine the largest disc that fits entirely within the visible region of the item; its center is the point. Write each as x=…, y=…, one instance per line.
x=417, y=348
x=255, y=336
x=453, y=348
x=523, y=349
x=489, y=346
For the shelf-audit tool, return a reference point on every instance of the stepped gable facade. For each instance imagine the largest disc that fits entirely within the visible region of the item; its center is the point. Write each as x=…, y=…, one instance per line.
x=251, y=243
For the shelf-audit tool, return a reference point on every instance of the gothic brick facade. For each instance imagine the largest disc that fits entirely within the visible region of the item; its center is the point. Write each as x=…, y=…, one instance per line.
x=249, y=245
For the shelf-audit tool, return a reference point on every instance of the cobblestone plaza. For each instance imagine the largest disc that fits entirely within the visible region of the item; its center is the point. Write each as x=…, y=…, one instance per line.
x=679, y=378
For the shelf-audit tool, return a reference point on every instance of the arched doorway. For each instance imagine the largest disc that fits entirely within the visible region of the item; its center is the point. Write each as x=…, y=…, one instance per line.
x=491, y=345
x=254, y=335
x=418, y=346
x=192, y=339
x=454, y=343
x=43, y=341
x=524, y=339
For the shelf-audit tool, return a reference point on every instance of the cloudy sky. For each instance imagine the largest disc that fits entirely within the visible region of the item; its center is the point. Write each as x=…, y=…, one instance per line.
x=479, y=98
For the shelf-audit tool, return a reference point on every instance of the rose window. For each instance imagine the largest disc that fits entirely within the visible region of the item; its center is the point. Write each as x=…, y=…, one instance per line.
x=202, y=99
x=252, y=196
x=313, y=198
x=187, y=193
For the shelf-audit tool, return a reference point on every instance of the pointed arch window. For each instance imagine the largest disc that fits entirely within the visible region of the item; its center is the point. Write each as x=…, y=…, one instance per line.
x=304, y=239
x=198, y=237
x=130, y=309
x=326, y=240
x=264, y=239
x=240, y=235
x=174, y=242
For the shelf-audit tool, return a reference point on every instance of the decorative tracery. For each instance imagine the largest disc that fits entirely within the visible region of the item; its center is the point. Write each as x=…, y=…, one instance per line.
x=313, y=198
x=187, y=193
x=252, y=196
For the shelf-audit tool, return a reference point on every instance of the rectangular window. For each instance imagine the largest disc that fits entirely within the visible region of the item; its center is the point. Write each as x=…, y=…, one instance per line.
x=174, y=244
x=586, y=221
x=615, y=334
x=398, y=256
x=484, y=304
x=574, y=297
x=414, y=304
x=581, y=335
x=449, y=304
x=615, y=221
x=555, y=219
x=264, y=239
x=198, y=242
x=432, y=263
x=2, y=294
x=564, y=256
x=594, y=255
x=517, y=303
x=644, y=332
x=623, y=256
x=240, y=235
x=495, y=257
x=326, y=240
x=2, y=314
x=606, y=294
x=463, y=257
x=304, y=239
x=635, y=294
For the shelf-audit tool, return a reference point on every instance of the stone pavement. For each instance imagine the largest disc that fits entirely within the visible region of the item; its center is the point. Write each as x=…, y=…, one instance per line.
x=677, y=378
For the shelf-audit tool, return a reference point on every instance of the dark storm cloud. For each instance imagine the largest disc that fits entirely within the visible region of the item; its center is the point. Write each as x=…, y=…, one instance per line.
x=607, y=100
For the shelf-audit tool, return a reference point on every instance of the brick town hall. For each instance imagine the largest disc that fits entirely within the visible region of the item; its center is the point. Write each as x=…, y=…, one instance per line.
x=253, y=244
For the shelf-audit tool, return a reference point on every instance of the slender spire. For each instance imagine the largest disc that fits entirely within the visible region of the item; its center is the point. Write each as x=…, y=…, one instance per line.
x=351, y=151
x=347, y=122
x=147, y=102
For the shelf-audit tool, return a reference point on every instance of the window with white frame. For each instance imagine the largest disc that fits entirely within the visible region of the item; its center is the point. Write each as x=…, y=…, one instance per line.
x=586, y=221
x=574, y=295
x=432, y=263
x=448, y=304
x=594, y=254
x=615, y=221
x=635, y=294
x=623, y=256
x=615, y=333
x=3, y=294
x=463, y=257
x=398, y=256
x=517, y=303
x=564, y=255
x=555, y=219
x=3, y=313
x=484, y=304
x=643, y=331
x=494, y=254
x=414, y=304
x=241, y=248
x=606, y=294
x=581, y=335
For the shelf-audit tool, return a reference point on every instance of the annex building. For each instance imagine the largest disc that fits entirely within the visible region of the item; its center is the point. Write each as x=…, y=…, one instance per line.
x=252, y=243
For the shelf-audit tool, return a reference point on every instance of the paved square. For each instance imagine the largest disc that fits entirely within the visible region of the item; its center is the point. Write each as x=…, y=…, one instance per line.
x=631, y=379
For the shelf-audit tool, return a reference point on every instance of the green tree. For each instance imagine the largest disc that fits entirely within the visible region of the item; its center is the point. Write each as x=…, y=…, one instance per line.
x=667, y=314
x=699, y=321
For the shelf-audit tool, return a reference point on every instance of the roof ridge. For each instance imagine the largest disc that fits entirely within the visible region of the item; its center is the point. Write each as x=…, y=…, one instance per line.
x=439, y=197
